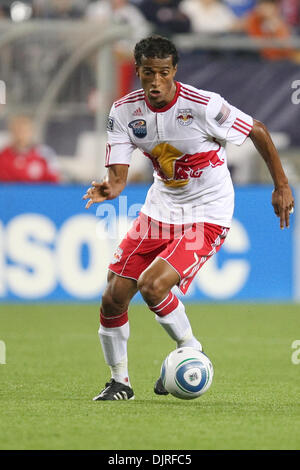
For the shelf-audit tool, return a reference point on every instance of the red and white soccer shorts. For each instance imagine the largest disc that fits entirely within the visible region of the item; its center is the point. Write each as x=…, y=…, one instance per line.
x=184, y=247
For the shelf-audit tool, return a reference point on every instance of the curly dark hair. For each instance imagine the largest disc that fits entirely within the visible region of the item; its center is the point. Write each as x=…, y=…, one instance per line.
x=155, y=46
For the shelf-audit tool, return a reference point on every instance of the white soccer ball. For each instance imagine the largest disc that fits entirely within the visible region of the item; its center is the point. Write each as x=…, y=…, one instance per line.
x=187, y=373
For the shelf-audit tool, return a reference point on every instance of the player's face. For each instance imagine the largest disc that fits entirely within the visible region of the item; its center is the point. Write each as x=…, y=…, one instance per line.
x=22, y=131
x=157, y=79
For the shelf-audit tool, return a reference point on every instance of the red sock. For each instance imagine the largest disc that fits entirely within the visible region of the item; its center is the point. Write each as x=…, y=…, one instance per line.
x=113, y=321
x=166, y=306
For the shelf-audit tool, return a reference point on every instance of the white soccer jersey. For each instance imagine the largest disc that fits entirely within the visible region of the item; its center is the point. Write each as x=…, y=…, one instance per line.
x=185, y=141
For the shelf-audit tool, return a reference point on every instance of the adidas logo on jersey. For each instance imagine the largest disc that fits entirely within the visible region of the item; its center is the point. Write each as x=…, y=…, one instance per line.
x=137, y=112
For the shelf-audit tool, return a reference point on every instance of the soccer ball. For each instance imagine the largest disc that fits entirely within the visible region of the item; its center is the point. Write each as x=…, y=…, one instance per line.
x=187, y=373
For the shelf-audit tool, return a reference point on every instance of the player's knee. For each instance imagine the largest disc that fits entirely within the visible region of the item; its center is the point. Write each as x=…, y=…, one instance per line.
x=152, y=289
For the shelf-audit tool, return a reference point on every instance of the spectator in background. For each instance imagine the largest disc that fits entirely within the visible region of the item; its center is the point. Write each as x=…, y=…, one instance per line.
x=240, y=7
x=121, y=12
x=290, y=10
x=4, y=12
x=265, y=21
x=166, y=16
x=208, y=16
x=23, y=160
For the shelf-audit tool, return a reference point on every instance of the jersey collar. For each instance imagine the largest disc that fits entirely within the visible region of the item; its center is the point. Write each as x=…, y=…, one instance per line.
x=169, y=105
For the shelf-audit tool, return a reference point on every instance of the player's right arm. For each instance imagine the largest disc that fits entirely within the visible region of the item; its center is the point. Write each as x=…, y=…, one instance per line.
x=110, y=188
x=119, y=149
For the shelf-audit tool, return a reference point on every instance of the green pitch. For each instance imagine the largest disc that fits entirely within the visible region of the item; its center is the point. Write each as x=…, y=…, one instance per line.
x=54, y=366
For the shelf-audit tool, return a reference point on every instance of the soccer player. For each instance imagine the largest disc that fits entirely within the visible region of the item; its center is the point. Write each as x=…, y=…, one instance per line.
x=188, y=208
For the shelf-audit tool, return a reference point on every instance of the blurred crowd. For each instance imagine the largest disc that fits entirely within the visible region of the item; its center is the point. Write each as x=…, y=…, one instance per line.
x=22, y=159
x=277, y=19
x=271, y=17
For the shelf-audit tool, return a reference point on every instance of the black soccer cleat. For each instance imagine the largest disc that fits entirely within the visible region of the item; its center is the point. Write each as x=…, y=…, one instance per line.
x=115, y=391
x=159, y=389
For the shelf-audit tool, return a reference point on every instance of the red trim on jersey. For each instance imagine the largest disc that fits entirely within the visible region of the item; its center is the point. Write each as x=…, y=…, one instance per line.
x=169, y=105
x=243, y=128
x=138, y=98
x=130, y=95
x=244, y=122
x=107, y=155
x=194, y=94
x=205, y=103
x=240, y=130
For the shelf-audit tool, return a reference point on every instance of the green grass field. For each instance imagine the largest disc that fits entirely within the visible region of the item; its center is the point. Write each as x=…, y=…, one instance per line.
x=54, y=366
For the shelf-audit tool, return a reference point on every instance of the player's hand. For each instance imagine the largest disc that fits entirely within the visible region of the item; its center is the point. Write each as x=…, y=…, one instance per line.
x=283, y=204
x=98, y=192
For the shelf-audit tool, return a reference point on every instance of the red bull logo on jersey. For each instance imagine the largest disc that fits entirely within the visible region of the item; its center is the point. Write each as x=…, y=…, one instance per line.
x=192, y=166
x=184, y=117
x=117, y=255
x=176, y=169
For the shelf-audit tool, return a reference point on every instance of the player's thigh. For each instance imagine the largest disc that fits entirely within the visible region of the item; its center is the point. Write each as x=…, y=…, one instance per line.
x=193, y=249
x=117, y=294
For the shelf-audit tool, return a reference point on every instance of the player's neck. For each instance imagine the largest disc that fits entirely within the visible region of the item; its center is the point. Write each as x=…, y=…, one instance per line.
x=171, y=96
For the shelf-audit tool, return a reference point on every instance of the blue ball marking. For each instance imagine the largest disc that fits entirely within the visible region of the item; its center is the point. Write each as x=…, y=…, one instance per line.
x=184, y=384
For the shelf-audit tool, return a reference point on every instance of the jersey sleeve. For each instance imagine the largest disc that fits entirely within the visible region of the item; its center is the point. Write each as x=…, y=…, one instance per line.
x=226, y=122
x=119, y=147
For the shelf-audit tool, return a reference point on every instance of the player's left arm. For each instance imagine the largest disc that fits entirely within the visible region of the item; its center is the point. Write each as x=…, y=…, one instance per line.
x=282, y=197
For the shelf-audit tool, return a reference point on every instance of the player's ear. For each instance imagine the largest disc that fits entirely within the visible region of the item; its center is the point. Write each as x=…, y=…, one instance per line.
x=137, y=70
